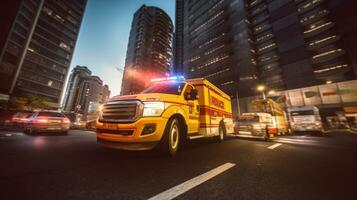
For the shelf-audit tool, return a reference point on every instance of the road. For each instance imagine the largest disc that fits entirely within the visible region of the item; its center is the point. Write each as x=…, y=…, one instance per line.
x=74, y=167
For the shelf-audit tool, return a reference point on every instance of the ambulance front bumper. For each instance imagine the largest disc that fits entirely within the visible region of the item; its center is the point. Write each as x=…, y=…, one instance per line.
x=143, y=134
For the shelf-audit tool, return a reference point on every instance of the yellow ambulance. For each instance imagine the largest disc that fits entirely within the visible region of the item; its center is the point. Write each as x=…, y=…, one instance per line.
x=165, y=115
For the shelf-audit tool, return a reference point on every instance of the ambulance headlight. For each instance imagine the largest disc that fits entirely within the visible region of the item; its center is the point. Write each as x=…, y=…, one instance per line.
x=153, y=109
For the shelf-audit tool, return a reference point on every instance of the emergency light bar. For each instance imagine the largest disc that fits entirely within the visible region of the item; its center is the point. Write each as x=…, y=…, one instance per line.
x=172, y=78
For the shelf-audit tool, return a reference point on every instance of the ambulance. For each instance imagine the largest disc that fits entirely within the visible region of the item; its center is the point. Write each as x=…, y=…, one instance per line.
x=165, y=115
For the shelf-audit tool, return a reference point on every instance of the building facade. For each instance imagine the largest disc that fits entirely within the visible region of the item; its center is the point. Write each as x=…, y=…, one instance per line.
x=149, y=50
x=38, y=48
x=337, y=102
x=85, y=93
x=283, y=44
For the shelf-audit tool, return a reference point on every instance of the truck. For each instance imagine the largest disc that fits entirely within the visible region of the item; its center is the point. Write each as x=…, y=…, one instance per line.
x=305, y=119
x=253, y=124
x=268, y=116
x=165, y=115
x=279, y=118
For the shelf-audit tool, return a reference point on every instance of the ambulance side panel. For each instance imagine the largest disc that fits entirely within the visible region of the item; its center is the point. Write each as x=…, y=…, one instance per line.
x=214, y=106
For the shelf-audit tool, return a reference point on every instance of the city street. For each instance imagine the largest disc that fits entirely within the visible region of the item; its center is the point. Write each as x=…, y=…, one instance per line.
x=74, y=167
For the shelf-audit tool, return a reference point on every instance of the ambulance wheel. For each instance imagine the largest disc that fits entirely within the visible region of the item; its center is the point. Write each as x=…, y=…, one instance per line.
x=171, y=138
x=221, y=133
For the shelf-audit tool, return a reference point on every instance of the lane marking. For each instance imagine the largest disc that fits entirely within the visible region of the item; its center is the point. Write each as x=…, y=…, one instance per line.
x=274, y=146
x=188, y=185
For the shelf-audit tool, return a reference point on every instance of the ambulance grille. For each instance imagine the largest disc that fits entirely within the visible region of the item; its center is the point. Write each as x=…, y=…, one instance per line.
x=121, y=111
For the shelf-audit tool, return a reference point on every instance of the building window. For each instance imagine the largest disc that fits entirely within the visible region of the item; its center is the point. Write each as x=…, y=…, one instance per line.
x=330, y=68
x=314, y=28
x=193, y=59
x=309, y=5
x=214, y=60
x=65, y=46
x=326, y=53
x=227, y=83
x=211, y=40
x=217, y=73
x=322, y=40
x=271, y=45
x=247, y=78
x=213, y=50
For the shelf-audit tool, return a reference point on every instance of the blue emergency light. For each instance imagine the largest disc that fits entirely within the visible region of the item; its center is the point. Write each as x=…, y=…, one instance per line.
x=172, y=78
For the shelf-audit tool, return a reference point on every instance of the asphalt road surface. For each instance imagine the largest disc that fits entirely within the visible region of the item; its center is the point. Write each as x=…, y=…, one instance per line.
x=74, y=167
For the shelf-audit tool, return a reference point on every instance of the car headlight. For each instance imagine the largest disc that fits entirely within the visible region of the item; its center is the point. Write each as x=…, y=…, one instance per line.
x=153, y=109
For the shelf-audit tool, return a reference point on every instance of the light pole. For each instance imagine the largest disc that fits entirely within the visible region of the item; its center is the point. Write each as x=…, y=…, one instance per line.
x=238, y=106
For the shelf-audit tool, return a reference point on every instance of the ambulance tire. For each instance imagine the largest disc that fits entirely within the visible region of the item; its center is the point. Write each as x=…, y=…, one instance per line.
x=222, y=132
x=170, y=141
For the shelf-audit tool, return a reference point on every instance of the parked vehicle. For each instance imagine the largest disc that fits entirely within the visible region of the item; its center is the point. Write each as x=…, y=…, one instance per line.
x=20, y=118
x=254, y=124
x=279, y=120
x=165, y=115
x=305, y=119
x=47, y=122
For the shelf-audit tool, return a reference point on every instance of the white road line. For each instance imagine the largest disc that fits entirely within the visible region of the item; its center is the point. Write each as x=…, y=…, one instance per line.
x=274, y=146
x=187, y=185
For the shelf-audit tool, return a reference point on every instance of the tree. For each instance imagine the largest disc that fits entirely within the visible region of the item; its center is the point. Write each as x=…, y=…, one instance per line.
x=31, y=102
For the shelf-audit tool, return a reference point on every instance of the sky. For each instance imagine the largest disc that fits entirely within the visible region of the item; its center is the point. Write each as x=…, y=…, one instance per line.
x=104, y=35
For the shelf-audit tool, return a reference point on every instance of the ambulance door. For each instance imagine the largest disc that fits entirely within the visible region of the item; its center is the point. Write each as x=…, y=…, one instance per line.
x=193, y=110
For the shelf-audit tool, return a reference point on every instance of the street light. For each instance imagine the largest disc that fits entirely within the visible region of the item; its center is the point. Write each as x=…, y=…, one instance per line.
x=271, y=92
x=261, y=88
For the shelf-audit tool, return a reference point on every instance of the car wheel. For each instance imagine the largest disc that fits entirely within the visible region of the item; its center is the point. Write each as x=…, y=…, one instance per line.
x=30, y=131
x=171, y=139
x=266, y=137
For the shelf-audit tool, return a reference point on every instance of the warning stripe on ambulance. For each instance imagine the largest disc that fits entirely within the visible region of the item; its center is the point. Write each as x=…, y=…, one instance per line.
x=209, y=125
x=204, y=110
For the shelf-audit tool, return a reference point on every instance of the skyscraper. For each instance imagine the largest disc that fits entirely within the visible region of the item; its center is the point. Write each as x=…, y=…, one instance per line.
x=215, y=44
x=38, y=48
x=149, y=50
x=178, y=38
x=84, y=91
x=283, y=44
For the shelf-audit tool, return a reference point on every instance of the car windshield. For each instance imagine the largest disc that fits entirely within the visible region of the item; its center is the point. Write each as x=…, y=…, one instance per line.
x=165, y=88
x=50, y=114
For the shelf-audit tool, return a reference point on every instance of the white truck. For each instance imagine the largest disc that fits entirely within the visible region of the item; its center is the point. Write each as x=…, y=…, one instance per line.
x=254, y=125
x=305, y=119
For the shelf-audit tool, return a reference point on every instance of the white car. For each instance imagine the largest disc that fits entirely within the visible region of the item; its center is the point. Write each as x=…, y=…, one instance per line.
x=47, y=122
